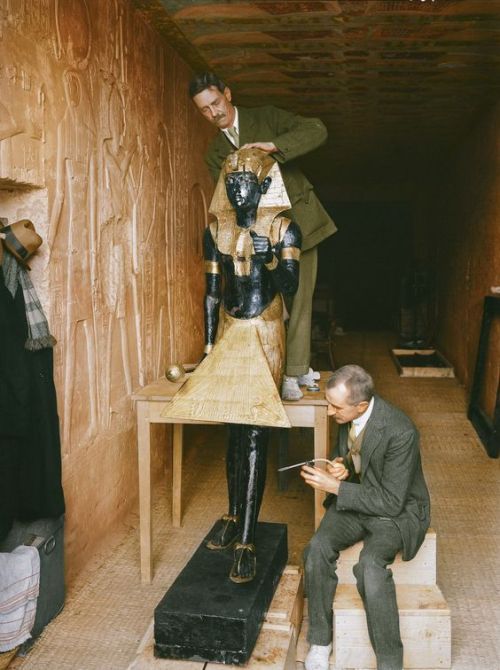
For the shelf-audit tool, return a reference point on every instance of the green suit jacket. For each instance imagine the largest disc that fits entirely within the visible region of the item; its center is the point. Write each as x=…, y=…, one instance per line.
x=392, y=481
x=294, y=136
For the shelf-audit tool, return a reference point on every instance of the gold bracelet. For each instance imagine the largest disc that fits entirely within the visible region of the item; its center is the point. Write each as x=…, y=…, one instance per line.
x=272, y=265
x=290, y=253
x=208, y=348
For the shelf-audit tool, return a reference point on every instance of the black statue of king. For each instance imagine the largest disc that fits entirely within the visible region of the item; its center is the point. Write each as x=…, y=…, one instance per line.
x=251, y=258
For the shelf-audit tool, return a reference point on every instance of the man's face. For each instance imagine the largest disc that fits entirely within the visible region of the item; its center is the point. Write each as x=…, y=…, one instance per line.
x=215, y=106
x=339, y=407
x=243, y=190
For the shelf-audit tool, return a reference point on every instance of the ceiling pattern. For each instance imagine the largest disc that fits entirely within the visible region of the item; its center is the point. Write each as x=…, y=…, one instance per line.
x=398, y=82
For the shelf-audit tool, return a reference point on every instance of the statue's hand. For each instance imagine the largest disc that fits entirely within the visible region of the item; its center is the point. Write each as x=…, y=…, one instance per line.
x=262, y=247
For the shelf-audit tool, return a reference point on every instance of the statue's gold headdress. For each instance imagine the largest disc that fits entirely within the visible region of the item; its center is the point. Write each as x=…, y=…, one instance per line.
x=249, y=160
x=229, y=238
x=262, y=164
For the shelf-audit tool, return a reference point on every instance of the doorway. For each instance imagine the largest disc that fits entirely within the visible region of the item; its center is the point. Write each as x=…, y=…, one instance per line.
x=363, y=264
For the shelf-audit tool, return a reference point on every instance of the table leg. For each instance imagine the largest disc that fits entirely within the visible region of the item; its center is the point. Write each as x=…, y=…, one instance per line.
x=283, y=444
x=321, y=450
x=144, y=457
x=177, y=474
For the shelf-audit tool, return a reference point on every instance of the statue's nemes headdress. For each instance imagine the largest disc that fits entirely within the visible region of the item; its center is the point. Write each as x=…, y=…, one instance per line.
x=262, y=164
x=249, y=160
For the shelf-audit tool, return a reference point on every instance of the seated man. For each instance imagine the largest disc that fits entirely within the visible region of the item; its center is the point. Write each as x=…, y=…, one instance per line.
x=377, y=493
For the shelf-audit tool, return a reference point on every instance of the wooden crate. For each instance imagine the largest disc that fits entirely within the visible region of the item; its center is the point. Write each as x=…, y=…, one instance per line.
x=425, y=624
x=420, y=570
x=422, y=371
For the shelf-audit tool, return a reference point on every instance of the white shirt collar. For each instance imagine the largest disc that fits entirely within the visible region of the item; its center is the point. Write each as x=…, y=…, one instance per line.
x=360, y=422
x=236, y=125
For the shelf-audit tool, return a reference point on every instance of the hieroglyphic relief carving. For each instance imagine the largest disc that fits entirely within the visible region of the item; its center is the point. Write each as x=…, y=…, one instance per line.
x=73, y=32
x=101, y=102
x=21, y=118
x=197, y=222
x=167, y=196
x=115, y=256
x=72, y=243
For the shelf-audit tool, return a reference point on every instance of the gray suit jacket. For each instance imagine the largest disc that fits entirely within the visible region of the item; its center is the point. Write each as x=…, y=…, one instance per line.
x=392, y=482
x=294, y=135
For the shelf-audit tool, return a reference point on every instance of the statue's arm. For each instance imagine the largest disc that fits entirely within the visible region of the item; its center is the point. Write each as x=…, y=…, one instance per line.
x=282, y=261
x=213, y=292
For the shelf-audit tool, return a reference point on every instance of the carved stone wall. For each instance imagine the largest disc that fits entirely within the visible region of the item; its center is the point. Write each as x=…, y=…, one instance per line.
x=464, y=206
x=101, y=147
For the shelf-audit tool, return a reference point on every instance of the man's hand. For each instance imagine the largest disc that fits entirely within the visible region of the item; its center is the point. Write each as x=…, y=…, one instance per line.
x=262, y=247
x=268, y=147
x=320, y=479
x=338, y=469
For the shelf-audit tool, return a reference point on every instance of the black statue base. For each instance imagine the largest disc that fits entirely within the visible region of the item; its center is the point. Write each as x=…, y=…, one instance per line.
x=204, y=616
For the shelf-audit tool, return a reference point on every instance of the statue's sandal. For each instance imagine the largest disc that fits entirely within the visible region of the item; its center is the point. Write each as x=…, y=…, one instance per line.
x=244, y=565
x=227, y=535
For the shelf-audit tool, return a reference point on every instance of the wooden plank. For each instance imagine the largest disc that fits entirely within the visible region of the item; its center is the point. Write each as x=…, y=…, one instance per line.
x=144, y=467
x=274, y=650
x=321, y=450
x=145, y=658
x=287, y=604
x=425, y=625
x=178, y=429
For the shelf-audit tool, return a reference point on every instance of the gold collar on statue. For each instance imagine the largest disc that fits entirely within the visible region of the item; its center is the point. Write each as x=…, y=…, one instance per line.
x=231, y=240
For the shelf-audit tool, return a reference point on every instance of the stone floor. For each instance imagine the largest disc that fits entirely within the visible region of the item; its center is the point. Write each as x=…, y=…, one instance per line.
x=108, y=610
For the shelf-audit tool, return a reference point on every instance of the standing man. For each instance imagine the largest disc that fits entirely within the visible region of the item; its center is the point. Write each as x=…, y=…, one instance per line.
x=377, y=493
x=285, y=136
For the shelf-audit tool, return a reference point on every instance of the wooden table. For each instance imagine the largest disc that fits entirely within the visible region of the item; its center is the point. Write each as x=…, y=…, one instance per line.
x=310, y=412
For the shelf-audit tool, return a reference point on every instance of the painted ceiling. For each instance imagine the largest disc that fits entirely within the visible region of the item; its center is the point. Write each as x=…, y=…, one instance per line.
x=398, y=83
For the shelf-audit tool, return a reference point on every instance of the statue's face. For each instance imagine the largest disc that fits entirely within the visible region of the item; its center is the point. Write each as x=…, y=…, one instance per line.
x=243, y=190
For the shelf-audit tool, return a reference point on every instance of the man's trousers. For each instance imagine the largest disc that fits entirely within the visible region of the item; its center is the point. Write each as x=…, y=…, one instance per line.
x=382, y=541
x=298, y=338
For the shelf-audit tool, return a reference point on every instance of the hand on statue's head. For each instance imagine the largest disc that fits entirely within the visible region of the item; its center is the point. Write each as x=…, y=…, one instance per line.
x=268, y=147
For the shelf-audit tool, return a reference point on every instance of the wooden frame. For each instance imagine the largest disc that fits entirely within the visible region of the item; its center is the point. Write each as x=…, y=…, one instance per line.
x=410, y=371
x=488, y=429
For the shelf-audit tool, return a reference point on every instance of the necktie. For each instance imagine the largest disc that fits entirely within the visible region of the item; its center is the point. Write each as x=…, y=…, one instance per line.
x=354, y=444
x=233, y=134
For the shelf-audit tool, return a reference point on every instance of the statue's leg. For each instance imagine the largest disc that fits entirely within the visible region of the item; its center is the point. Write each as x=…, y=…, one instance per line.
x=254, y=444
x=229, y=529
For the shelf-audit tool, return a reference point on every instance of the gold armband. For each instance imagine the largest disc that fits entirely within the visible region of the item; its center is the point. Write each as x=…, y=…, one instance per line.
x=208, y=348
x=290, y=254
x=212, y=267
x=273, y=264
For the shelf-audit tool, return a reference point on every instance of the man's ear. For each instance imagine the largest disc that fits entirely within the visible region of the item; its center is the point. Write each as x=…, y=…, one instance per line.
x=265, y=184
x=362, y=407
x=227, y=93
